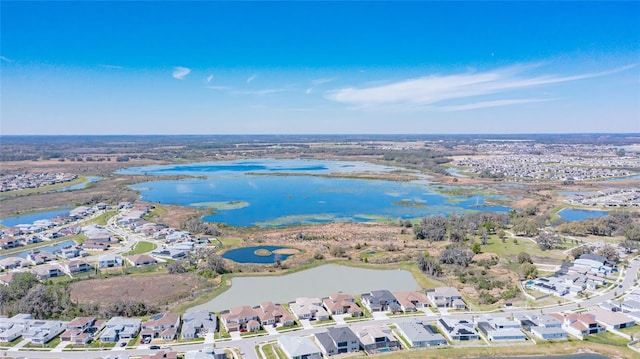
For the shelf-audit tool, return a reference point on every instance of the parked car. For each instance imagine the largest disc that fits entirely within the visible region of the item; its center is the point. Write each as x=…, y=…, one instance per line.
x=154, y=347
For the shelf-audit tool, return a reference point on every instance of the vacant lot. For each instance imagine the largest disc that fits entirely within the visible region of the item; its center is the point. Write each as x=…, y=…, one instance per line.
x=157, y=289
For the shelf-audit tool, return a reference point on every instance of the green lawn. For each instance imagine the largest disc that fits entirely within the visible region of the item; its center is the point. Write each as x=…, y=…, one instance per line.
x=141, y=247
x=511, y=249
x=607, y=338
x=102, y=219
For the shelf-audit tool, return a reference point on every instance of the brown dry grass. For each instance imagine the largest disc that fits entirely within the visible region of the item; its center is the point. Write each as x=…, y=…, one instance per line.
x=156, y=289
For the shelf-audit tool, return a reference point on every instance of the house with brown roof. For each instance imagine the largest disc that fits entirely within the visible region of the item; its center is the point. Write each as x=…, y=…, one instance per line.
x=411, y=301
x=163, y=325
x=139, y=260
x=579, y=324
x=273, y=314
x=238, y=318
x=338, y=304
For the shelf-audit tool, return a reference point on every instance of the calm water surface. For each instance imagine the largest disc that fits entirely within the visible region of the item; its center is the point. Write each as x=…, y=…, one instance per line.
x=30, y=218
x=297, y=197
x=248, y=255
x=316, y=282
x=571, y=214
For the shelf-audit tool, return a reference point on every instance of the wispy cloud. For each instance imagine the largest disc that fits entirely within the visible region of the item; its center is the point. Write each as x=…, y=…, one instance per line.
x=261, y=92
x=317, y=82
x=5, y=59
x=111, y=67
x=251, y=78
x=429, y=91
x=209, y=78
x=180, y=72
x=218, y=87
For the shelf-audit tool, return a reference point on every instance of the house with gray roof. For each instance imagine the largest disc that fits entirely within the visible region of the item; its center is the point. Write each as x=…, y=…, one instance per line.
x=296, y=347
x=337, y=340
x=197, y=323
x=420, y=334
x=612, y=320
x=42, y=331
x=309, y=308
x=380, y=301
x=120, y=328
x=458, y=329
x=446, y=297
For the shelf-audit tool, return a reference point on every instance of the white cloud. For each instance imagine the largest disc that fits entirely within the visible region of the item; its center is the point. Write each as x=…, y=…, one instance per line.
x=251, y=78
x=209, y=78
x=321, y=81
x=218, y=87
x=430, y=90
x=6, y=59
x=180, y=72
x=308, y=91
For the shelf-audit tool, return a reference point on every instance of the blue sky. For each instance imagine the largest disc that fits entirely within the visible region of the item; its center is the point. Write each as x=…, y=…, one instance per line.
x=319, y=67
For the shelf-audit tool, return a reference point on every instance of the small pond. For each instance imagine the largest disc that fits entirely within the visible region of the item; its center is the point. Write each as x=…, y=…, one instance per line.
x=257, y=255
x=32, y=217
x=315, y=282
x=571, y=214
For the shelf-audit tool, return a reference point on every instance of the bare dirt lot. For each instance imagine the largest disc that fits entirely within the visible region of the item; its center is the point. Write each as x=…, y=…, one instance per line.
x=156, y=289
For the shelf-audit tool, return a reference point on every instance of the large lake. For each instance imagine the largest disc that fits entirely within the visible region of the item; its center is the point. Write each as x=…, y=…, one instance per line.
x=316, y=282
x=32, y=217
x=270, y=193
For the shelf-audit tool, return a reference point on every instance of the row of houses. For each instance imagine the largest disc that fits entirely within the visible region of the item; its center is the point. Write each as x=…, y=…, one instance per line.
x=82, y=330
x=588, y=272
x=246, y=318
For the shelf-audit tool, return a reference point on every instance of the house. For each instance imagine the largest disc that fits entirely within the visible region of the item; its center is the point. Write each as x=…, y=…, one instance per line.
x=42, y=331
x=380, y=301
x=630, y=305
x=110, y=260
x=8, y=243
x=13, y=263
x=69, y=252
x=238, y=318
x=273, y=314
x=612, y=320
x=95, y=246
x=458, y=329
x=12, y=328
x=7, y=279
x=549, y=333
x=376, y=338
x=595, y=263
x=337, y=340
x=411, y=301
x=120, y=328
x=197, y=323
x=163, y=325
x=208, y=353
x=579, y=325
x=295, y=347
x=420, y=334
x=139, y=260
x=77, y=266
x=338, y=304
x=500, y=329
x=80, y=330
x=39, y=257
x=47, y=271
x=309, y=309
x=446, y=297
